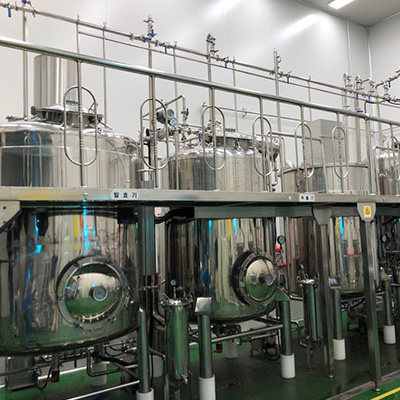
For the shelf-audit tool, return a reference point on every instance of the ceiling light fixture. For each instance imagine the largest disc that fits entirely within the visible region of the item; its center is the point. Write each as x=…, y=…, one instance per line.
x=336, y=4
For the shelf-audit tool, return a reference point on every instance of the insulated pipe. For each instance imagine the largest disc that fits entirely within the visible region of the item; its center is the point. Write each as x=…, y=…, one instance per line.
x=143, y=358
x=389, y=331
x=205, y=346
x=287, y=356
x=207, y=378
x=339, y=345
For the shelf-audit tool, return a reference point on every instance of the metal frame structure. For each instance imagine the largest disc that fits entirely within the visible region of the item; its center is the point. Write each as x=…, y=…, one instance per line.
x=215, y=204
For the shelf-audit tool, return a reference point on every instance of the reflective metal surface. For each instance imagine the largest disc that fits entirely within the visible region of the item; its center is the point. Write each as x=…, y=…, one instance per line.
x=68, y=279
x=32, y=154
x=202, y=255
x=53, y=77
x=177, y=338
x=217, y=258
x=345, y=257
x=238, y=174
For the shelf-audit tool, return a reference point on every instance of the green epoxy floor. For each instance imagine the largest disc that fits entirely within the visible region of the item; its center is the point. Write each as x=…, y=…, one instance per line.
x=251, y=378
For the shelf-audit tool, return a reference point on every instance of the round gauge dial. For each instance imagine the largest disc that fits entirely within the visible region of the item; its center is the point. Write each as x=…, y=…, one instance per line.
x=99, y=293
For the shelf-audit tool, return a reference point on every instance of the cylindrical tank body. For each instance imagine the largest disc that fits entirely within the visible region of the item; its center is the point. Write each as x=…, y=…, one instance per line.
x=389, y=227
x=32, y=154
x=229, y=260
x=69, y=275
x=177, y=338
x=68, y=279
x=53, y=76
x=344, y=232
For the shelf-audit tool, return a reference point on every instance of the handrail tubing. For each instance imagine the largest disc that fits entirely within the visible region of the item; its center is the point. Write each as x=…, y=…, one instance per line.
x=40, y=49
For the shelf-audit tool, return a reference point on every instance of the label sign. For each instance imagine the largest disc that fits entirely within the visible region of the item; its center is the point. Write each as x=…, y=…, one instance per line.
x=367, y=211
x=124, y=194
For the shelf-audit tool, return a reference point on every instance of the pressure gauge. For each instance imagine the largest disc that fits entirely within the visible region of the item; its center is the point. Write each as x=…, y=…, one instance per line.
x=281, y=240
x=99, y=293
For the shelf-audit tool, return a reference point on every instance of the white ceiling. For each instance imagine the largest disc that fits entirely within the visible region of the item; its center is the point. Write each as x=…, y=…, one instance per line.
x=364, y=12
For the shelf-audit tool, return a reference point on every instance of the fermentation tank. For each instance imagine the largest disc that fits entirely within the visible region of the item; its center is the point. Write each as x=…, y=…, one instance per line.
x=69, y=275
x=229, y=260
x=344, y=232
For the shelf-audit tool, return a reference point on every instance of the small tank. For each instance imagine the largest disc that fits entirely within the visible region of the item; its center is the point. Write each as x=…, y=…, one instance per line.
x=229, y=260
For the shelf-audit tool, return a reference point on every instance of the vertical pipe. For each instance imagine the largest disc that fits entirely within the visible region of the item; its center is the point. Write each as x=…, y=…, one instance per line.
x=309, y=97
x=278, y=105
x=175, y=83
x=389, y=331
x=396, y=276
x=205, y=346
x=214, y=136
x=369, y=267
x=288, y=370
x=80, y=124
x=339, y=344
x=323, y=216
x=284, y=310
x=337, y=314
x=25, y=65
x=310, y=309
x=371, y=158
x=235, y=96
x=264, y=143
x=340, y=149
x=143, y=354
x=105, y=78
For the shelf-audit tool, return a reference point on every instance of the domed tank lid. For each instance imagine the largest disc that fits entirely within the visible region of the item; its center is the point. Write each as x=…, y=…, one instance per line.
x=254, y=277
x=91, y=292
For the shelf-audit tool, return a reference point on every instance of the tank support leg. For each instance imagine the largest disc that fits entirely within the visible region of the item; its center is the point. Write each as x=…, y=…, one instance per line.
x=287, y=356
x=389, y=331
x=145, y=392
x=322, y=215
x=207, y=378
x=370, y=262
x=339, y=345
x=396, y=291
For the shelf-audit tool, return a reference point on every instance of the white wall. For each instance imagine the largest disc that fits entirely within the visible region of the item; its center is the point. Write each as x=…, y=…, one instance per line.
x=248, y=30
x=385, y=50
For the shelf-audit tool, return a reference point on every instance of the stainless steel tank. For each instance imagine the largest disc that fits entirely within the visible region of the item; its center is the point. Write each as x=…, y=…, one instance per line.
x=68, y=279
x=32, y=154
x=69, y=275
x=344, y=232
x=229, y=260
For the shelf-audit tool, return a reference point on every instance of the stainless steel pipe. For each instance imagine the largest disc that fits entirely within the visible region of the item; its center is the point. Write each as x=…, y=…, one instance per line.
x=18, y=44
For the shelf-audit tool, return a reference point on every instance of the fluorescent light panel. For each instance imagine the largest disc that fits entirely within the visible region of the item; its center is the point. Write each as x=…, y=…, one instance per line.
x=336, y=4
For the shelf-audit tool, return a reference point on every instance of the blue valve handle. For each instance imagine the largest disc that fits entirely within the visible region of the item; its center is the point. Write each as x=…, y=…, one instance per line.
x=288, y=79
x=187, y=112
x=152, y=32
x=146, y=38
x=9, y=11
x=209, y=41
x=226, y=64
x=390, y=83
x=165, y=49
x=24, y=1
